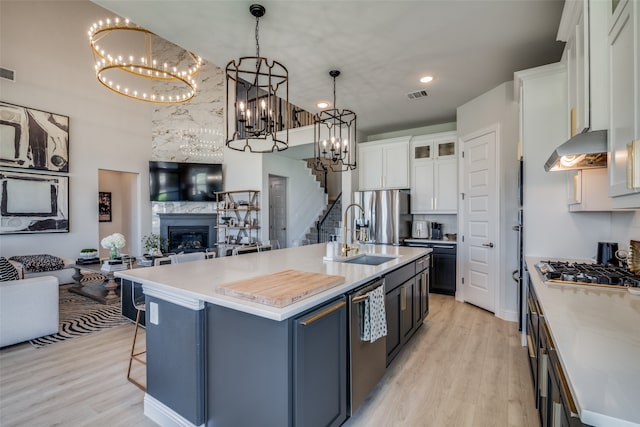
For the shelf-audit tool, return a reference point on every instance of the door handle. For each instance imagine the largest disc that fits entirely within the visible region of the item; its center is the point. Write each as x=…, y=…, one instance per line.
x=403, y=299
x=487, y=245
x=323, y=313
x=516, y=276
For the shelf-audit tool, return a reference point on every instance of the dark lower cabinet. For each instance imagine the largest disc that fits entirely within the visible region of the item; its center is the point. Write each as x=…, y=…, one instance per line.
x=392, y=308
x=406, y=303
x=444, y=270
x=408, y=297
x=544, y=377
x=532, y=339
x=422, y=278
x=320, y=366
x=553, y=398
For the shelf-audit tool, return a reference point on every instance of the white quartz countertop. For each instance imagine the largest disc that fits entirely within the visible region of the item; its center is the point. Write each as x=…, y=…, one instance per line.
x=596, y=332
x=193, y=282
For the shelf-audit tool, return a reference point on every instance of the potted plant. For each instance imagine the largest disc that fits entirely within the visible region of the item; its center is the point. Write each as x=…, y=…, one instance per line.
x=88, y=253
x=154, y=244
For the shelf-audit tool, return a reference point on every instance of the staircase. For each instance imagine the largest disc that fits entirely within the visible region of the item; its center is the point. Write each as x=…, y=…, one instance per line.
x=329, y=222
x=321, y=176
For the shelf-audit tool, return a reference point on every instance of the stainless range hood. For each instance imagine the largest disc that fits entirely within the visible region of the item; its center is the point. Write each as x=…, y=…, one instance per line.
x=587, y=150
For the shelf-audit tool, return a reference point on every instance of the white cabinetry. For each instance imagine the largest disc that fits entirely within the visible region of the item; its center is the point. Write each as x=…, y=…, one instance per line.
x=434, y=174
x=624, y=90
x=384, y=164
x=584, y=27
x=588, y=190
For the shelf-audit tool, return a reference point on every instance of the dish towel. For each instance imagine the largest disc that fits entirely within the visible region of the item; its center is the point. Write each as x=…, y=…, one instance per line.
x=374, y=318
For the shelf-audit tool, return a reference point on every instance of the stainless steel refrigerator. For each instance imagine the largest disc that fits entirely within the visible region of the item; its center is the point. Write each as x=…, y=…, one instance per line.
x=387, y=217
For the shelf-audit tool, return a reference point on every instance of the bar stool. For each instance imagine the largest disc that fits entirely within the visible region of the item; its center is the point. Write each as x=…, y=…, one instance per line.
x=140, y=308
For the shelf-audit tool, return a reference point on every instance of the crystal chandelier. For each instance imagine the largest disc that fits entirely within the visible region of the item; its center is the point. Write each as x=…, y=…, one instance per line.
x=335, y=136
x=257, y=99
x=136, y=63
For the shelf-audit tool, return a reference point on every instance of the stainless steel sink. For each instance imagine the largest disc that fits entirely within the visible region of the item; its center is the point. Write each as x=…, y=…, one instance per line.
x=370, y=259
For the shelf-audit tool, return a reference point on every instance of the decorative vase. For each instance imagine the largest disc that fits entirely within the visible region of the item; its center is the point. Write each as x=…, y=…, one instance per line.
x=114, y=253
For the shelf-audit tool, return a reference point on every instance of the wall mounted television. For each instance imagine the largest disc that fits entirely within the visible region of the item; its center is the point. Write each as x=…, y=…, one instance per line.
x=177, y=182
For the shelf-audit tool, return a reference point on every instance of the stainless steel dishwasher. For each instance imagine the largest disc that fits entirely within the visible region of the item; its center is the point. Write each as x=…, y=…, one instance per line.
x=367, y=359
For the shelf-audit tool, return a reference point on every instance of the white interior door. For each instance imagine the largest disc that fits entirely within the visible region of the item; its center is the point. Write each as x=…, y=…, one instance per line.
x=278, y=209
x=480, y=220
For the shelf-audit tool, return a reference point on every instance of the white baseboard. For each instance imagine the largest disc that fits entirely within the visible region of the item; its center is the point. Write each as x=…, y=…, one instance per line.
x=164, y=416
x=509, y=315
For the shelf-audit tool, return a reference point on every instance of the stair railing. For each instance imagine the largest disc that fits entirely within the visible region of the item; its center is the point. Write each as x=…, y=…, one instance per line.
x=324, y=231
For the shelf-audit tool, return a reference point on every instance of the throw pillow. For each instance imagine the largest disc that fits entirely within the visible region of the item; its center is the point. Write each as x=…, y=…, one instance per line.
x=7, y=271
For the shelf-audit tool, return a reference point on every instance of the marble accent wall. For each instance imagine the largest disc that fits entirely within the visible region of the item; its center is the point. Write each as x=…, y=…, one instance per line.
x=190, y=132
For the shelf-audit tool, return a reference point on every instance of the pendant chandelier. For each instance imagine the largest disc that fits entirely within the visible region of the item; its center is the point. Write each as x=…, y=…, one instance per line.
x=257, y=101
x=335, y=136
x=136, y=63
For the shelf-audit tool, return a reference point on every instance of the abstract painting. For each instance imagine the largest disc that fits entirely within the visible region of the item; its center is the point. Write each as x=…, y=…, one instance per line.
x=33, y=139
x=33, y=203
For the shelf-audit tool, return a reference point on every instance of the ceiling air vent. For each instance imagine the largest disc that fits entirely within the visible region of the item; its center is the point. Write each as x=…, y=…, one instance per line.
x=5, y=73
x=417, y=94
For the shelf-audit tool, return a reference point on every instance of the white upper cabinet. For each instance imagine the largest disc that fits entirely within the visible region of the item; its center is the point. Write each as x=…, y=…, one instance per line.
x=384, y=164
x=624, y=91
x=588, y=191
x=434, y=173
x=584, y=27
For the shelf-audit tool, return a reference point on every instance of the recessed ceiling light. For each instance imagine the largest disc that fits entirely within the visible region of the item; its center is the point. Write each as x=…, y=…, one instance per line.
x=323, y=104
x=426, y=79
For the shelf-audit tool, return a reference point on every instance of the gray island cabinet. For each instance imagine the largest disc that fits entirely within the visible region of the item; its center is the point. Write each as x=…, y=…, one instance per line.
x=220, y=361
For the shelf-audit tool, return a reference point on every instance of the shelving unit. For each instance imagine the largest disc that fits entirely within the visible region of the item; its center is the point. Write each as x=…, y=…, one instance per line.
x=238, y=222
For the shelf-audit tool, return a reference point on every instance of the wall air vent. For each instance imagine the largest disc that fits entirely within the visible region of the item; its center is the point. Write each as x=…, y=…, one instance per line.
x=417, y=94
x=8, y=74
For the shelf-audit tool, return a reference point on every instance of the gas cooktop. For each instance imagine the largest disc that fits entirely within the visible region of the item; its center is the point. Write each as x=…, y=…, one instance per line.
x=587, y=274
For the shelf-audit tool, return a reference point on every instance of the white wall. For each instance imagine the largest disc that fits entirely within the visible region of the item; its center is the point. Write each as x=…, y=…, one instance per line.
x=625, y=227
x=46, y=44
x=498, y=107
x=305, y=198
x=550, y=229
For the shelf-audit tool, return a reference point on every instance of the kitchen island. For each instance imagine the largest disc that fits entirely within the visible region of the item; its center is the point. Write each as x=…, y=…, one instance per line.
x=213, y=359
x=589, y=346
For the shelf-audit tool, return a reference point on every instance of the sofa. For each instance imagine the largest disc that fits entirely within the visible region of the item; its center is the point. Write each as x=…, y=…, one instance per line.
x=28, y=309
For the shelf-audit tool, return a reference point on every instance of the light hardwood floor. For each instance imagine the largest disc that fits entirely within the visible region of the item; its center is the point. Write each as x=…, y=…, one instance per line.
x=464, y=367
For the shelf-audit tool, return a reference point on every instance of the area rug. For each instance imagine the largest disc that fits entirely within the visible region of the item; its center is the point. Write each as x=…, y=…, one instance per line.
x=80, y=315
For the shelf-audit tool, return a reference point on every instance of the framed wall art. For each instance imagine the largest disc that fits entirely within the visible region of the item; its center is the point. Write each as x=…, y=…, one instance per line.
x=104, y=206
x=33, y=203
x=33, y=139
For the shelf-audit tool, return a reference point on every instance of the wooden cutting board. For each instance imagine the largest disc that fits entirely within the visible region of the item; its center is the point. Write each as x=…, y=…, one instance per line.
x=282, y=288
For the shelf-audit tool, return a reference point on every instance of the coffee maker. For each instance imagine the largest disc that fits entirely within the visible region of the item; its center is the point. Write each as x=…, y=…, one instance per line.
x=436, y=231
